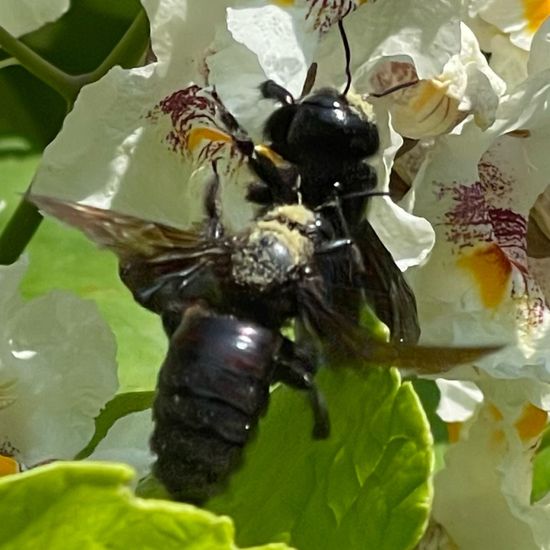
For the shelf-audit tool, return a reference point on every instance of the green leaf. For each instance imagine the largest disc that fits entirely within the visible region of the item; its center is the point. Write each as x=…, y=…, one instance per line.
x=121, y=405
x=541, y=474
x=63, y=258
x=77, y=43
x=85, y=505
x=366, y=487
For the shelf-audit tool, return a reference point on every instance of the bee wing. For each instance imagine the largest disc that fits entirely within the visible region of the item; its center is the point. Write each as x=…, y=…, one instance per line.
x=348, y=344
x=156, y=260
x=127, y=236
x=386, y=288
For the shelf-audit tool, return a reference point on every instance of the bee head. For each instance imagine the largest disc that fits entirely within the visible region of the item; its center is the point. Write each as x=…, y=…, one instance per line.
x=322, y=123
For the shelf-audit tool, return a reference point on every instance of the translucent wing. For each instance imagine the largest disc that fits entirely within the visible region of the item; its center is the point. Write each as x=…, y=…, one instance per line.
x=385, y=287
x=128, y=237
x=349, y=344
x=156, y=261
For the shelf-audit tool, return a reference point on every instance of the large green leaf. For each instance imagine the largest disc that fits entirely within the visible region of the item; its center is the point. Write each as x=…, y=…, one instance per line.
x=366, y=487
x=63, y=258
x=79, y=505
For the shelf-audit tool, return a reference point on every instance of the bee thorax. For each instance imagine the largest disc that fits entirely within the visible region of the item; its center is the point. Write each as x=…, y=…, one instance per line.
x=269, y=256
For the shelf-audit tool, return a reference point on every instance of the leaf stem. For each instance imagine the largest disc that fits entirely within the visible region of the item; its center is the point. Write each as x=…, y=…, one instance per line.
x=65, y=84
x=128, y=51
x=18, y=232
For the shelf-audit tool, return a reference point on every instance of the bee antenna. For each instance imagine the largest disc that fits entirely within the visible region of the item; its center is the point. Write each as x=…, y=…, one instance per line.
x=346, y=50
x=310, y=80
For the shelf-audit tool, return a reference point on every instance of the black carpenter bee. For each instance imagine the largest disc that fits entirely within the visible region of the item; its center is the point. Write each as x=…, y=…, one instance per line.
x=224, y=300
x=308, y=260
x=328, y=142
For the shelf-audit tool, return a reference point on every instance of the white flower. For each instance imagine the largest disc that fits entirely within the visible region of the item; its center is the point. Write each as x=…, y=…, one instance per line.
x=431, y=107
x=126, y=145
x=20, y=17
x=519, y=19
x=57, y=370
x=142, y=141
x=479, y=286
x=482, y=497
x=477, y=189
x=508, y=31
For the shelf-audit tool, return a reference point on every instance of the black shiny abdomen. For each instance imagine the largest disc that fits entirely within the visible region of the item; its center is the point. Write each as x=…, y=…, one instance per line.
x=212, y=389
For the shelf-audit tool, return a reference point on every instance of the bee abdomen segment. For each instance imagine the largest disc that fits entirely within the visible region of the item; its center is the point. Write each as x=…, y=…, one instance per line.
x=213, y=387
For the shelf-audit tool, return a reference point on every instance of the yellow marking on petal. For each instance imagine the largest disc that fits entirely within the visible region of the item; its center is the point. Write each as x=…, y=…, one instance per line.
x=535, y=11
x=431, y=92
x=531, y=422
x=497, y=438
x=453, y=431
x=8, y=466
x=283, y=3
x=266, y=151
x=196, y=135
x=495, y=413
x=491, y=270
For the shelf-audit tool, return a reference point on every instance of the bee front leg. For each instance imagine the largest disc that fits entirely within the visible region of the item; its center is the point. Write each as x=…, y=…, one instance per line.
x=295, y=366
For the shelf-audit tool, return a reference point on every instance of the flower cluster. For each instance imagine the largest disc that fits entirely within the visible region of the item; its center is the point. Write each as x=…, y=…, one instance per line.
x=460, y=91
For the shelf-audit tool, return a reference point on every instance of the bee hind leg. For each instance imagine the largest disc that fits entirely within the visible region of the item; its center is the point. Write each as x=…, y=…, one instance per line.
x=296, y=366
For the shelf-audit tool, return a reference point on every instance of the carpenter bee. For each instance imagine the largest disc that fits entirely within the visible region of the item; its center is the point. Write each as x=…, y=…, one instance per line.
x=308, y=259
x=223, y=300
x=328, y=141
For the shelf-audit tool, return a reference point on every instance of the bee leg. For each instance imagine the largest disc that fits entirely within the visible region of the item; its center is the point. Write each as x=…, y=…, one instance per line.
x=271, y=90
x=335, y=245
x=296, y=368
x=276, y=183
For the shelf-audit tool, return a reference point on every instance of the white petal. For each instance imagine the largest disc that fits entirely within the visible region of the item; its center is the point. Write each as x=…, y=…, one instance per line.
x=508, y=61
x=278, y=37
x=121, y=146
x=409, y=238
x=482, y=497
x=476, y=287
x=61, y=355
x=517, y=18
x=20, y=17
x=458, y=400
x=424, y=33
x=539, y=56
